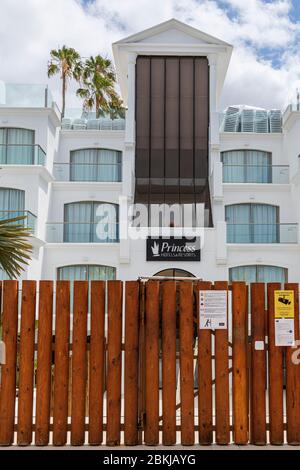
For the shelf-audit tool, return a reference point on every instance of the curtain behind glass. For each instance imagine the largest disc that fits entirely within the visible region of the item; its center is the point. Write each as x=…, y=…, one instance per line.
x=247, y=166
x=11, y=200
x=265, y=228
x=78, y=219
x=238, y=229
x=256, y=273
x=86, y=273
x=18, y=146
x=106, y=222
x=95, y=165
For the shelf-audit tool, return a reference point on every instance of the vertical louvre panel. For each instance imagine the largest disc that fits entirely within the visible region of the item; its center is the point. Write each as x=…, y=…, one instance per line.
x=169, y=362
x=61, y=368
x=114, y=362
x=79, y=362
x=25, y=398
x=97, y=355
x=8, y=371
x=43, y=380
x=239, y=363
x=186, y=327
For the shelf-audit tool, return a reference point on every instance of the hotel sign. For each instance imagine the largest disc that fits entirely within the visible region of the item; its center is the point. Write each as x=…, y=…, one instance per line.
x=173, y=249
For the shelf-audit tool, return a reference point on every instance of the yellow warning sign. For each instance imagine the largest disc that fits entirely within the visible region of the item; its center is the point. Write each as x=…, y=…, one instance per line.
x=284, y=304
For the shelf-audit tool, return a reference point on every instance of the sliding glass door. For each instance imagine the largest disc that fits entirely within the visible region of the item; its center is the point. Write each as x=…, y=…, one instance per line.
x=101, y=165
x=16, y=146
x=247, y=166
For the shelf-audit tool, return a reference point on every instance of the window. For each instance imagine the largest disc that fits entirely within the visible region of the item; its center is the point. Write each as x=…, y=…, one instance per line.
x=247, y=166
x=91, y=222
x=252, y=223
x=95, y=165
x=16, y=146
x=174, y=272
x=87, y=272
x=12, y=202
x=258, y=274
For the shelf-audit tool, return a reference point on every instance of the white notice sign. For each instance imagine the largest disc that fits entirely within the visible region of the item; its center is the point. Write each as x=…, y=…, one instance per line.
x=284, y=332
x=213, y=310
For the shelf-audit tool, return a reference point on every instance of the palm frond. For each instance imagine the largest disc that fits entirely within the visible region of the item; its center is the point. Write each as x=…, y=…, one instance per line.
x=15, y=248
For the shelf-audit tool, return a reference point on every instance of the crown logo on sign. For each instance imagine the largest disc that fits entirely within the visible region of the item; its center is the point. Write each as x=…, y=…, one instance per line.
x=155, y=249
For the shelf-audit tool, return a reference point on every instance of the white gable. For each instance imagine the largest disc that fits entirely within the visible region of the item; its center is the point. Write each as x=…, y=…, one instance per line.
x=171, y=36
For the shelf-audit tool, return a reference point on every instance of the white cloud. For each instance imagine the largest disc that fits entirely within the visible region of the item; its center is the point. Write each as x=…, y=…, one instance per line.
x=28, y=30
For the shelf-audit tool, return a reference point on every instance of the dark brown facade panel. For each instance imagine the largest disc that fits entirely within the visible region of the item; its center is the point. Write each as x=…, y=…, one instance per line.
x=143, y=117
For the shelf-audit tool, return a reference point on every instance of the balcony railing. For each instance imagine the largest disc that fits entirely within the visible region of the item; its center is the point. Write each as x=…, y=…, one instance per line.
x=276, y=174
x=82, y=232
x=22, y=154
x=262, y=233
x=17, y=95
x=101, y=172
x=29, y=222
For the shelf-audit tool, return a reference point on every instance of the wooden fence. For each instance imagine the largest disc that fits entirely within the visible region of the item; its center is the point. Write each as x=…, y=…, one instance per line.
x=126, y=363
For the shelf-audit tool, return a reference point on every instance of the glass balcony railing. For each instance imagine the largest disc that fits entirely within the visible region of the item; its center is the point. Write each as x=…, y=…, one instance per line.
x=82, y=232
x=276, y=174
x=29, y=222
x=262, y=233
x=101, y=172
x=22, y=154
x=17, y=95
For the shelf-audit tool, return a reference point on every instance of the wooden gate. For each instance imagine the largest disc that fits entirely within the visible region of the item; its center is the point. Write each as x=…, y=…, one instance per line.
x=110, y=363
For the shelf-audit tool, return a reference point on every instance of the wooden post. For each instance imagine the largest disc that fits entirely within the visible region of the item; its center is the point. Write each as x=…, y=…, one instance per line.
x=239, y=362
x=79, y=362
x=222, y=379
x=61, y=370
x=44, y=360
x=293, y=379
x=151, y=435
x=204, y=378
x=258, y=365
x=131, y=362
x=25, y=401
x=8, y=379
x=275, y=374
x=186, y=329
x=97, y=356
x=169, y=361
x=114, y=362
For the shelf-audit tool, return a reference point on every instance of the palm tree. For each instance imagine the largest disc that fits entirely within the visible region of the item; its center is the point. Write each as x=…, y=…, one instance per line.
x=67, y=62
x=98, y=87
x=14, y=246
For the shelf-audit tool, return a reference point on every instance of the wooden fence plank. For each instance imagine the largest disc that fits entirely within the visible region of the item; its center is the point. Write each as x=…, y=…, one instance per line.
x=258, y=365
x=44, y=358
x=275, y=357
x=97, y=356
x=131, y=362
x=239, y=363
x=222, y=380
x=79, y=362
x=186, y=329
x=293, y=379
x=25, y=399
x=114, y=362
x=8, y=379
x=151, y=434
x=169, y=361
x=61, y=371
x=204, y=378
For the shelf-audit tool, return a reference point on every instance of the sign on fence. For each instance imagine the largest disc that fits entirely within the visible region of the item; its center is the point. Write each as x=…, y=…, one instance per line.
x=284, y=305
x=213, y=310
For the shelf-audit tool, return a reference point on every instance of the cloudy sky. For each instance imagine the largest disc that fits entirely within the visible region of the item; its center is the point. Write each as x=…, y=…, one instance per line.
x=265, y=67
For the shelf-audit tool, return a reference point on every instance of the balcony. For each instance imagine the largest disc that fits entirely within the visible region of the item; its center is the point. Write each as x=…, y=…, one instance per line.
x=22, y=154
x=92, y=172
x=29, y=222
x=16, y=95
x=78, y=120
x=276, y=174
x=262, y=233
x=82, y=232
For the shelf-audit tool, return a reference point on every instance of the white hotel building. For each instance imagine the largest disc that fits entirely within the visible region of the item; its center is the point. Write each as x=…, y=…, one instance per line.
x=175, y=145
